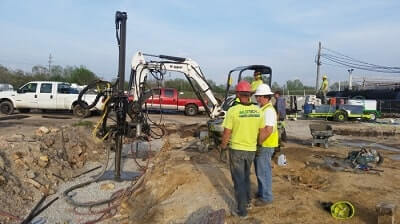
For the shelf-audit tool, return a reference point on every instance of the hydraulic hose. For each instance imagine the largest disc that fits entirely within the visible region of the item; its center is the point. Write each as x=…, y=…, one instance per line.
x=96, y=84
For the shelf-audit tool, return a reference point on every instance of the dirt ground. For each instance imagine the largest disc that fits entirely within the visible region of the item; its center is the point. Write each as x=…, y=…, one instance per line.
x=179, y=190
x=189, y=186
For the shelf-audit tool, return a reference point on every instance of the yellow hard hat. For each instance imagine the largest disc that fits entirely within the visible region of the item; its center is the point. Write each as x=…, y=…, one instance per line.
x=342, y=210
x=325, y=76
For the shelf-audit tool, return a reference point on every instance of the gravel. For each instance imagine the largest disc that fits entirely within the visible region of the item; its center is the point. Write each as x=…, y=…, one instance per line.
x=62, y=212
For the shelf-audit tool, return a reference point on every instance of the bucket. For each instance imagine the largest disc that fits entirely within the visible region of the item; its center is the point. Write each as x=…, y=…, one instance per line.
x=308, y=108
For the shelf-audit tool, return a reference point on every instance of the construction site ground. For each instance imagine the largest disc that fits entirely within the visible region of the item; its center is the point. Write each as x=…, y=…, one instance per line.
x=181, y=182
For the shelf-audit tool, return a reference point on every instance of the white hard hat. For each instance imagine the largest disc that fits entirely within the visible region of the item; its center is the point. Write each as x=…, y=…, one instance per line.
x=263, y=90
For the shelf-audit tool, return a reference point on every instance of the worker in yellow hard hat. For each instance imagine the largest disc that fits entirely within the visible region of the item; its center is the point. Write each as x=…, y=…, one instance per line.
x=257, y=81
x=324, y=88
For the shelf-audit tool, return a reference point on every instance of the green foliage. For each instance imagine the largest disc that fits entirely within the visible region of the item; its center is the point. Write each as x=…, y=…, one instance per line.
x=82, y=76
x=275, y=87
x=88, y=124
x=296, y=87
x=71, y=74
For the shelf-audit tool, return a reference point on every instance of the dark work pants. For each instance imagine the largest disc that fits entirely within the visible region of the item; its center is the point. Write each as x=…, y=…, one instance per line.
x=240, y=165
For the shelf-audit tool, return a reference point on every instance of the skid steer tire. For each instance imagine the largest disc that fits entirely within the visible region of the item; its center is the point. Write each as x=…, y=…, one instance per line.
x=340, y=116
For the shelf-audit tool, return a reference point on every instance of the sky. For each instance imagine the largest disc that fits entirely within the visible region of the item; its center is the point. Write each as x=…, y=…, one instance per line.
x=219, y=35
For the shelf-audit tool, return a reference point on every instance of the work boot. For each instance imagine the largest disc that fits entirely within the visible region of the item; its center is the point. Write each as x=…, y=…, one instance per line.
x=261, y=203
x=241, y=215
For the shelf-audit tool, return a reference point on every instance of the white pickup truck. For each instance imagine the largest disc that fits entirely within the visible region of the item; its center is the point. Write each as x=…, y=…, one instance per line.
x=46, y=95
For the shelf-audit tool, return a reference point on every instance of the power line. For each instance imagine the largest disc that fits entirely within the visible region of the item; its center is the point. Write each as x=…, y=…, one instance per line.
x=342, y=60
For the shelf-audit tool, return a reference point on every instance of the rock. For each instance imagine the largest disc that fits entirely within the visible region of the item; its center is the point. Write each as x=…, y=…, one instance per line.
x=30, y=174
x=21, y=164
x=44, y=130
x=54, y=130
x=2, y=163
x=33, y=182
x=186, y=158
x=16, y=190
x=44, y=158
x=49, y=141
x=3, y=144
x=43, y=161
x=30, y=139
x=3, y=180
x=107, y=186
x=16, y=138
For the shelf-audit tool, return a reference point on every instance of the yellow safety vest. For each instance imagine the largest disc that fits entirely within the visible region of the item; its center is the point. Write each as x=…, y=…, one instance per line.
x=255, y=84
x=273, y=139
x=245, y=122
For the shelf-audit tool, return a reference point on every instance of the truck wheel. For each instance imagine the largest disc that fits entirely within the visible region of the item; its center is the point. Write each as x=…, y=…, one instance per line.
x=340, y=116
x=191, y=110
x=6, y=107
x=373, y=116
x=80, y=112
x=24, y=110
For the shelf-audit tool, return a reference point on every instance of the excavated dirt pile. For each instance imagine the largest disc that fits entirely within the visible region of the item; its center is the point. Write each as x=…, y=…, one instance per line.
x=37, y=164
x=187, y=186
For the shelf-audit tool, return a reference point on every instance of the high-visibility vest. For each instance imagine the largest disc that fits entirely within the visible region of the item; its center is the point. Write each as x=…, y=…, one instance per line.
x=273, y=139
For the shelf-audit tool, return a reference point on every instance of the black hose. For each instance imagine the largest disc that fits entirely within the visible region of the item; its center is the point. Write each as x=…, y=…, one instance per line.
x=84, y=90
x=69, y=199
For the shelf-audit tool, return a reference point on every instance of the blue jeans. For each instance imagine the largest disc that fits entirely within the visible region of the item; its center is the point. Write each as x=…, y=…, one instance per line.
x=240, y=166
x=262, y=164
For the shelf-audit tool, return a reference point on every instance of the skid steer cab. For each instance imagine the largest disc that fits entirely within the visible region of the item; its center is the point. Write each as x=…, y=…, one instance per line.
x=235, y=75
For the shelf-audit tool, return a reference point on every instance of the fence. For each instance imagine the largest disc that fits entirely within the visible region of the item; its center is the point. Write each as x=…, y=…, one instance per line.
x=389, y=106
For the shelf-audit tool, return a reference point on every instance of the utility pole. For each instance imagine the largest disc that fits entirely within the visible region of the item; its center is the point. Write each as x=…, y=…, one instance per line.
x=350, y=78
x=339, y=86
x=50, y=64
x=318, y=65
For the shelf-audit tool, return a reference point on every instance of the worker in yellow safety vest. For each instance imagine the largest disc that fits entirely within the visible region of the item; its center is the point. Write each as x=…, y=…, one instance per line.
x=242, y=125
x=262, y=161
x=257, y=81
x=324, y=88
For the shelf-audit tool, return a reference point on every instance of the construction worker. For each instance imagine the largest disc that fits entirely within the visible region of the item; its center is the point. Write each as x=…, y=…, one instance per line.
x=280, y=108
x=268, y=140
x=242, y=125
x=257, y=81
x=324, y=88
x=280, y=105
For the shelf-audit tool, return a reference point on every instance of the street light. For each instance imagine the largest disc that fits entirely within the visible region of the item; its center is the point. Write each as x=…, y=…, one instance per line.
x=350, y=78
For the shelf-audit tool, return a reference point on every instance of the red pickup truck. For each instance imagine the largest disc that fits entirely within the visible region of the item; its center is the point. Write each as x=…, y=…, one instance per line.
x=168, y=99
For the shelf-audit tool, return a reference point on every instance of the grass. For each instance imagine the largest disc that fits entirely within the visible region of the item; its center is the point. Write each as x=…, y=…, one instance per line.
x=88, y=124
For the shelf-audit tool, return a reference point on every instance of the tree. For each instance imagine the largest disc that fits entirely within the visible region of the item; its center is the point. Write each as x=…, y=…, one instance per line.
x=82, y=76
x=294, y=85
x=275, y=86
x=39, y=69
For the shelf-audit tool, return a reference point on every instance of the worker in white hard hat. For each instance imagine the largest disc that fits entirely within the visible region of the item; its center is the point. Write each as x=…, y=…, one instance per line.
x=324, y=88
x=268, y=140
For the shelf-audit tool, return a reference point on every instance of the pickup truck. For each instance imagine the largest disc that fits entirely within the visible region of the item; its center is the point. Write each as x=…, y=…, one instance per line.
x=45, y=95
x=168, y=99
